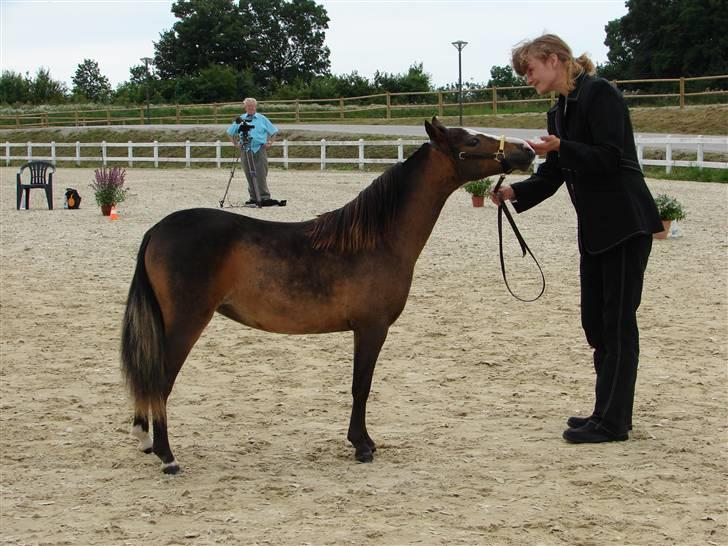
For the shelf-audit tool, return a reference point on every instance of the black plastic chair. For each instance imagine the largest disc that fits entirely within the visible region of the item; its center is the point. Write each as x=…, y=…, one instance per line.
x=40, y=178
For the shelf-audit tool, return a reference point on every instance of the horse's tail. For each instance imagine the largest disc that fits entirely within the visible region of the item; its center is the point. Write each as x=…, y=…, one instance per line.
x=142, y=338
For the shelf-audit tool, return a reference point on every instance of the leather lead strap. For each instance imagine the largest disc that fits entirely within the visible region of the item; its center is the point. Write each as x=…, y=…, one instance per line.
x=503, y=209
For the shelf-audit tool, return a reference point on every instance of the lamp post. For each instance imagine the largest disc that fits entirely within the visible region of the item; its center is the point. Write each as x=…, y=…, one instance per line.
x=147, y=61
x=460, y=45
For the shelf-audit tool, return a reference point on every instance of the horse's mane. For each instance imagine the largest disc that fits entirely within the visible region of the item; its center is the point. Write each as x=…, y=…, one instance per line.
x=366, y=222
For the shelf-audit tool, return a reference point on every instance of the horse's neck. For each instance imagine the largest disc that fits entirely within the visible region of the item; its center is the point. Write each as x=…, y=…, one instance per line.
x=434, y=180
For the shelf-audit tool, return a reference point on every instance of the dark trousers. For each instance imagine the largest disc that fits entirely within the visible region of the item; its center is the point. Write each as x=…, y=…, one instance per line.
x=260, y=165
x=611, y=290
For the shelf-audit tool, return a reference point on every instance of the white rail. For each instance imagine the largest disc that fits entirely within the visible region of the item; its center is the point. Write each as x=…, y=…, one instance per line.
x=185, y=156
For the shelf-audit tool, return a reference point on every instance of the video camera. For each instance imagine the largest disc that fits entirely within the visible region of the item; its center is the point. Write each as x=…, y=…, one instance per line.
x=244, y=125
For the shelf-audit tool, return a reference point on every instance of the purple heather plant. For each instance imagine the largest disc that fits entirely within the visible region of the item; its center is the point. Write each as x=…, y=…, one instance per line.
x=108, y=185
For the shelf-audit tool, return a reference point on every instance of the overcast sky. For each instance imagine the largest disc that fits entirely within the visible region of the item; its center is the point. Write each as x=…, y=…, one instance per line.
x=363, y=35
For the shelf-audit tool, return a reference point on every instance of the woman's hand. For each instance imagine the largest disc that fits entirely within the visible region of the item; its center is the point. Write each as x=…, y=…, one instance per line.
x=505, y=193
x=549, y=143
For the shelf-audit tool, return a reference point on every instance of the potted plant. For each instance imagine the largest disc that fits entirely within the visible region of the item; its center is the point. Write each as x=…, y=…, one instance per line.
x=477, y=190
x=108, y=186
x=670, y=210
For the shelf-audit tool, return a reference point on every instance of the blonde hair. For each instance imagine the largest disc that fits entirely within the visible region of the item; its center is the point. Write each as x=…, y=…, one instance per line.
x=548, y=44
x=250, y=100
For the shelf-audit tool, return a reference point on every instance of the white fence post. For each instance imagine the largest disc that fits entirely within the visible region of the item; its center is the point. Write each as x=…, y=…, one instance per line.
x=7, y=153
x=285, y=153
x=103, y=153
x=78, y=154
x=668, y=155
x=640, y=153
x=30, y=151
x=361, y=154
x=130, y=154
x=187, y=153
x=700, y=151
x=53, y=151
x=323, y=154
x=217, y=153
x=156, y=154
x=400, y=150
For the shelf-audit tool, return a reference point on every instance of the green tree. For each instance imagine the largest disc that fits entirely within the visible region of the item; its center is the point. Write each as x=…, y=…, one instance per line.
x=667, y=39
x=503, y=76
x=14, y=88
x=277, y=41
x=18, y=89
x=287, y=39
x=88, y=82
x=416, y=79
x=134, y=90
x=46, y=90
x=353, y=85
x=207, y=32
x=215, y=84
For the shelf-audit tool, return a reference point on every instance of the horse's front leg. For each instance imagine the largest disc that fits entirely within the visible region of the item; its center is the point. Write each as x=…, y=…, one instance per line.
x=368, y=342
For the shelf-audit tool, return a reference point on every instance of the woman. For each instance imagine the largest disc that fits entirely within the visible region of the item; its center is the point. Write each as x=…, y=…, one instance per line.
x=590, y=147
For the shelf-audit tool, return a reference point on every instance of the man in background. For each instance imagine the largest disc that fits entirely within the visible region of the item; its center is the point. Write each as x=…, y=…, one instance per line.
x=262, y=136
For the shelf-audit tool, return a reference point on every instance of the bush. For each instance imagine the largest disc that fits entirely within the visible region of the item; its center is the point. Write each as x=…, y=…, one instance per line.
x=669, y=207
x=108, y=186
x=478, y=187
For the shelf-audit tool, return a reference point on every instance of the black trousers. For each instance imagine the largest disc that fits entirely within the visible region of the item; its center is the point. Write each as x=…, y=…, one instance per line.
x=611, y=290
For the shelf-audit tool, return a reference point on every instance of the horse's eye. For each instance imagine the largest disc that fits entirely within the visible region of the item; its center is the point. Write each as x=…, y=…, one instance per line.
x=474, y=142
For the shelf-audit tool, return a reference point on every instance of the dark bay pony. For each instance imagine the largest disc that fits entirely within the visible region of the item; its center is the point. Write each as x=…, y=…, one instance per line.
x=348, y=269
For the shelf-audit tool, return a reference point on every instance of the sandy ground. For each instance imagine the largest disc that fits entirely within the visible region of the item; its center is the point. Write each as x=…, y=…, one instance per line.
x=469, y=400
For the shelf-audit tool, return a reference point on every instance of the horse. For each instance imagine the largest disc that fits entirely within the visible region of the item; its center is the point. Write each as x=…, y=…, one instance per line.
x=347, y=269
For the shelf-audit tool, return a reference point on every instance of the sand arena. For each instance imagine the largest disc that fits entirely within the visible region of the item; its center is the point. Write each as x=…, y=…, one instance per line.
x=469, y=400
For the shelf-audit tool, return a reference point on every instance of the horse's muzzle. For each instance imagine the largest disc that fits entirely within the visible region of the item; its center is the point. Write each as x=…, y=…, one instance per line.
x=522, y=157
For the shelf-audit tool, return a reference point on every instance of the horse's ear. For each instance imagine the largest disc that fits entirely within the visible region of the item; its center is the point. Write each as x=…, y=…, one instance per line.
x=437, y=123
x=436, y=131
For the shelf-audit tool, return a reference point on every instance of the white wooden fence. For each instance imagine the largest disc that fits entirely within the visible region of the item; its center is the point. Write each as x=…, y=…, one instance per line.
x=668, y=144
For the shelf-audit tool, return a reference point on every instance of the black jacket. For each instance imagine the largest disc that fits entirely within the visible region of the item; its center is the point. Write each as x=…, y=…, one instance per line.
x=598, y=161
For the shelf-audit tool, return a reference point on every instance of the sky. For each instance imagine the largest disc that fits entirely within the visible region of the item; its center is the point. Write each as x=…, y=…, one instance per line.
x=363, y=35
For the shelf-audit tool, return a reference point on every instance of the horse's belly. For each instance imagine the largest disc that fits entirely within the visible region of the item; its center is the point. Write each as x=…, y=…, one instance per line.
x=293, y=317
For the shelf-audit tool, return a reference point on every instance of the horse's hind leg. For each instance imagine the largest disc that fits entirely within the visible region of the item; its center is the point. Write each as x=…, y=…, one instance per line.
x=367, y=344
x=140, y=429
x=178, y=344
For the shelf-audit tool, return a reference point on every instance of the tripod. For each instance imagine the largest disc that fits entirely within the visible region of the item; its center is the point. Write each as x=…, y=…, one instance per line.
x=247, y=152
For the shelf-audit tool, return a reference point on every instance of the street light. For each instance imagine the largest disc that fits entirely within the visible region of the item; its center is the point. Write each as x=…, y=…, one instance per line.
x=460, y=45
x=147, y=61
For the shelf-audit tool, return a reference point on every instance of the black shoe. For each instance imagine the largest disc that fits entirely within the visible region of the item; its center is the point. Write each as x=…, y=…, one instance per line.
x=251, y=202
x=576, y=422
x=592, y=433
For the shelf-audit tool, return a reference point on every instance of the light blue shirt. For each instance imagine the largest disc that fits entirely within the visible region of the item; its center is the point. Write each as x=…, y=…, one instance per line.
x=258, y=134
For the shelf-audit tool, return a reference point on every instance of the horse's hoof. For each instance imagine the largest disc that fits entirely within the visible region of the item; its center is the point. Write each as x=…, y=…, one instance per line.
x=364, y=456
x=170, y=468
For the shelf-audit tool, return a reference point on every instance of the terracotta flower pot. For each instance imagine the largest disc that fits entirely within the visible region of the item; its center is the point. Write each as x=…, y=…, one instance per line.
x=106, y=209
x=478, y=200
x=664, y=232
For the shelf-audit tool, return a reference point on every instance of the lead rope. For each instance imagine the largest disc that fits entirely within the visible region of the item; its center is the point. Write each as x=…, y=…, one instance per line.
x=503, y=209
